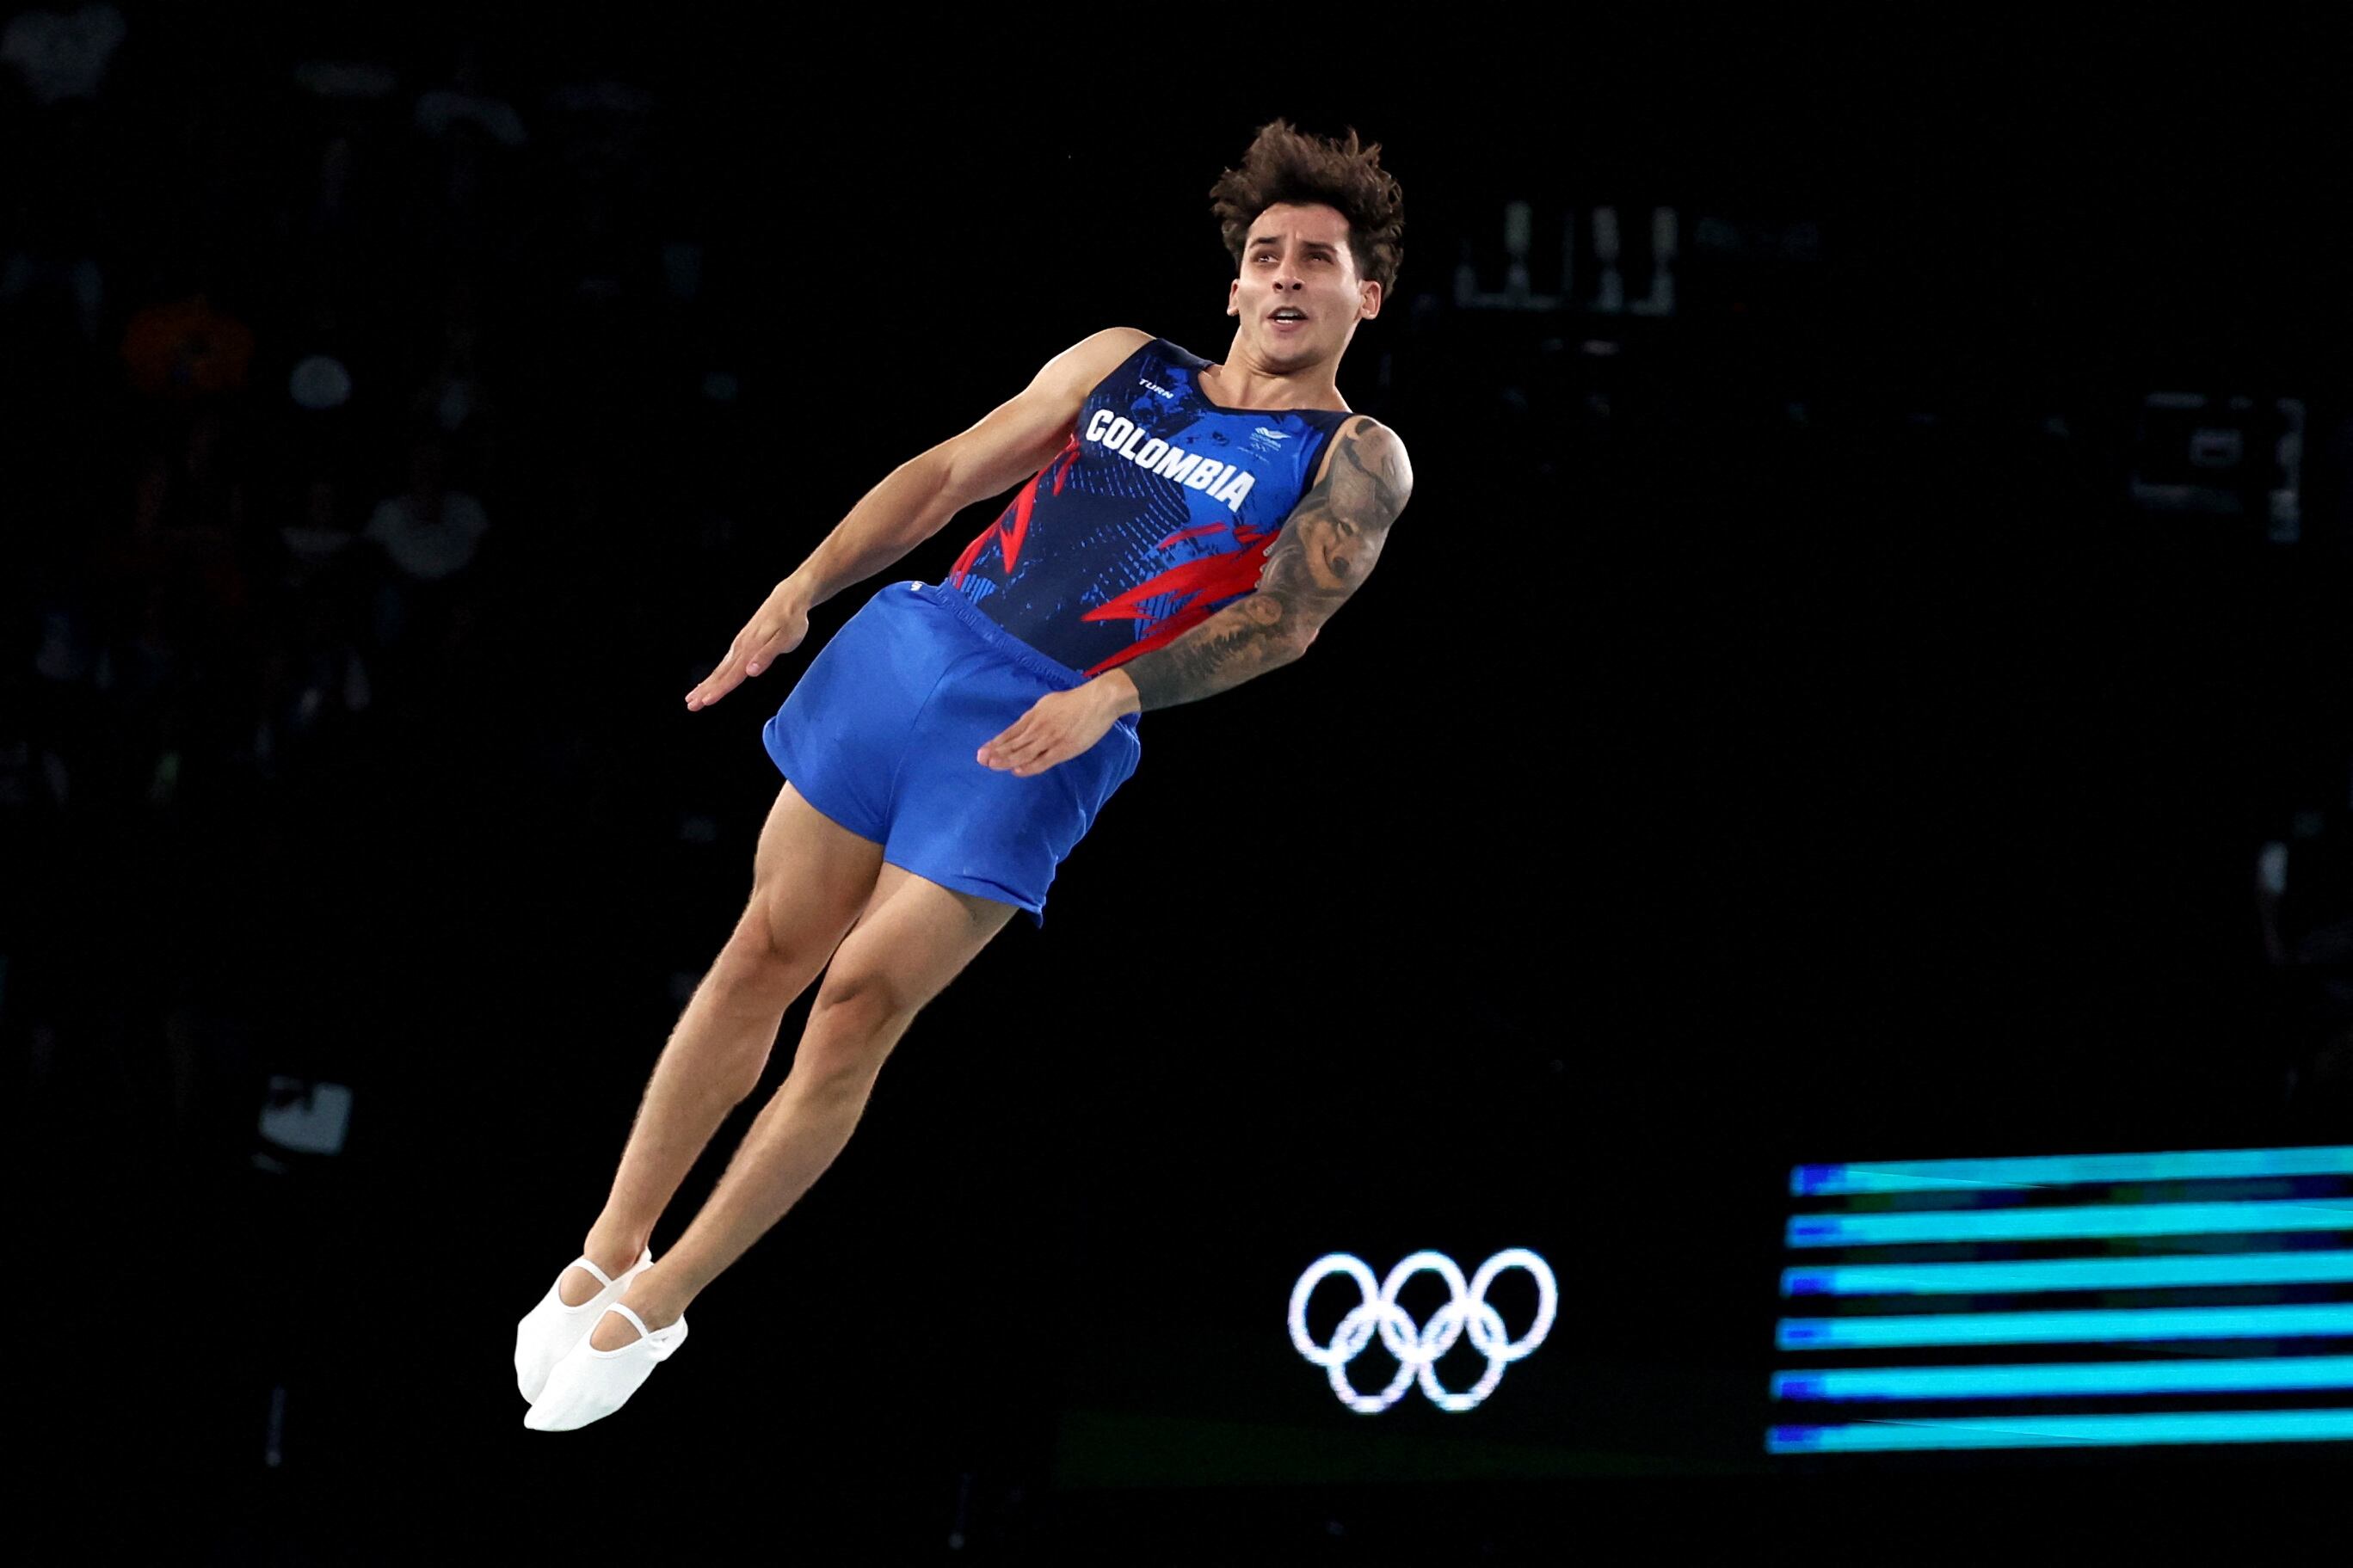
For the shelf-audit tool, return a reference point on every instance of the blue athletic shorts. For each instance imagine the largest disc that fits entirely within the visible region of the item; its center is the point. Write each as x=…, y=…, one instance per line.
x=881, y=731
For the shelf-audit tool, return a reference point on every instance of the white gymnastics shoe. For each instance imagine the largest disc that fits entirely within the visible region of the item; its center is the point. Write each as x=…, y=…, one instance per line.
x=589, y=1385
x=551, y=1329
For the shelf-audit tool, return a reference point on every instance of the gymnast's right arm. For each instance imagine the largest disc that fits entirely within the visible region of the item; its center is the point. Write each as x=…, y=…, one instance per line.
x=1015, y=442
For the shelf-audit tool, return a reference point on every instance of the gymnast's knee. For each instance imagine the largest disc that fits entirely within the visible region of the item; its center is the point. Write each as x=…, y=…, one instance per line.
x=852, y=1024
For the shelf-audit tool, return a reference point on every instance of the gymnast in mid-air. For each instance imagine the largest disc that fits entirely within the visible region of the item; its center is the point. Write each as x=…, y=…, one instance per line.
x=1179, y=526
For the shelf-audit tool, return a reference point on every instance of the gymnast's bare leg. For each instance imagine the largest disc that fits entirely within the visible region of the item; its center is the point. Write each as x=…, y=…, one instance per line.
x=811, y=878
x=911, y=939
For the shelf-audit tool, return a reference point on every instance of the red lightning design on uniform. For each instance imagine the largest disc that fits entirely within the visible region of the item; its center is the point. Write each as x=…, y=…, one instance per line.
x=1013, y=526
x=1207, y=580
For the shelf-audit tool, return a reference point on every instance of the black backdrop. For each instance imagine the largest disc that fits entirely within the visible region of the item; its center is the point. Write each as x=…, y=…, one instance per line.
x=1695, y=790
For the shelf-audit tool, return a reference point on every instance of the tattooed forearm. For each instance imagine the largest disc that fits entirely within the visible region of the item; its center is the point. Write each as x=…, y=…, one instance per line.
x=1243, y=639
x=1325, y=549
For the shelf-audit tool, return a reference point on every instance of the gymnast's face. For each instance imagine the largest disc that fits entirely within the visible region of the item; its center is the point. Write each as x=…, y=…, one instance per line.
x=1297, y=259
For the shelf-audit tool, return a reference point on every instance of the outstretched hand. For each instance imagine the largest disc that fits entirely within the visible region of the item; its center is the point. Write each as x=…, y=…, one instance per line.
x=775, y=631
x=1058, y=727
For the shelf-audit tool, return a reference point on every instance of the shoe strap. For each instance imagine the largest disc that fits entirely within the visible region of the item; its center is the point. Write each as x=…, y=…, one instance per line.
x=605, y=1279
x=656, y=1340
x=602, y=1277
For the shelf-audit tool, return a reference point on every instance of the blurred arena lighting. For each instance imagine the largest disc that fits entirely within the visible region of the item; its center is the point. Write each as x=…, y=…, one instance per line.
x=2231, y=457
x=306, y=1117
x=1608, y=295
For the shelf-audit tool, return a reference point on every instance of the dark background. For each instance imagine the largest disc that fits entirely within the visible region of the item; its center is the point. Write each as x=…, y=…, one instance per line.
x=1776, y=732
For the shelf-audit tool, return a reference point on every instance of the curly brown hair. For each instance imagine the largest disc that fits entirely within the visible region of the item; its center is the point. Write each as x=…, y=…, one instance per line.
x=1286, y=165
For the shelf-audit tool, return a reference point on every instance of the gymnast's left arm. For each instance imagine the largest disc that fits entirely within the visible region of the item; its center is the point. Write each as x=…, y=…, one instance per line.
x=1323, y=554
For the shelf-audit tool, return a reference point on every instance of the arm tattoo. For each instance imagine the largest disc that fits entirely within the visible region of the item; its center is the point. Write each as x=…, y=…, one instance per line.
x=1325, y=549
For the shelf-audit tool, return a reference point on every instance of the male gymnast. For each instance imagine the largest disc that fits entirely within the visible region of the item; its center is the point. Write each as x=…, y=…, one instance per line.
x=1180, y=526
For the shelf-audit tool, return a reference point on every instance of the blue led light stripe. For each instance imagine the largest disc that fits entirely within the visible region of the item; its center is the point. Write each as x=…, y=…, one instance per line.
x=2056, y=1170
x=2050, y=1223
x=2094, y=1201
x=2063, y=1378
x=2058, y=1431
x=2064, y=1328
x=2069, y=1274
